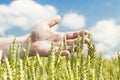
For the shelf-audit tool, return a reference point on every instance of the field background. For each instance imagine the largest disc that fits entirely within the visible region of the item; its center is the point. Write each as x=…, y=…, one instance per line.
x=56, y=67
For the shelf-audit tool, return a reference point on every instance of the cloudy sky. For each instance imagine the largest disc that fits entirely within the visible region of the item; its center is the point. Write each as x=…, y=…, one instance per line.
x=100, y=17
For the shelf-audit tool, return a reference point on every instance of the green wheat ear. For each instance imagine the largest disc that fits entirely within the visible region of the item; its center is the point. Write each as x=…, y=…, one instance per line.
x=4, y=75
x=13, y=53
x=58, y=56
x=82, y=40
x=68, y=68
x=51, y=63
x=0, y=56
x=21, y=73
x=88, y=67
x=78, y=45
x=9, y=70
x=26, y=50
x=64, y=43
x=82, y=58
x=100, y=67
x=89, y=36
x=25, y=59
x=119, y=65
x=92, y=54
x=72, y=55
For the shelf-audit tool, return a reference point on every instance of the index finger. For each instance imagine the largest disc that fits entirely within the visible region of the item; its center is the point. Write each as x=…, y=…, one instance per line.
x=72, y=35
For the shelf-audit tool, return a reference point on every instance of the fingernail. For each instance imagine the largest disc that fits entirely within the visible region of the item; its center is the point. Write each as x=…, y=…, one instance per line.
x=86, y=31
x=87, y=41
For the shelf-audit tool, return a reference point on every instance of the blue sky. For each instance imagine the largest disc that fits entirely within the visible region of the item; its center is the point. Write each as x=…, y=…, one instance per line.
x=100, y=17
x=93, y=11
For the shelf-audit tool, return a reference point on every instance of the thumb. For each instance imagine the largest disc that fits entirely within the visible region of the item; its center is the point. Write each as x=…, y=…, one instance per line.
x=55, y=21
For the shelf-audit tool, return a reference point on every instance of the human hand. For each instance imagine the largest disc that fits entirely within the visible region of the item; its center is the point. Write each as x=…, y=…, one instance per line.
x=42, y=37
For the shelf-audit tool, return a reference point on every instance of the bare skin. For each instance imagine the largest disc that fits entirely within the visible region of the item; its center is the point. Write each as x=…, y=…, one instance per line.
x=41, y=38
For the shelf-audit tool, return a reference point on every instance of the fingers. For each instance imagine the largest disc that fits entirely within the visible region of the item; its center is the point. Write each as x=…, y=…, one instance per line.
x=62, y=51
x=72, y=35
x=74, y=41
x=55, y=21
x=71, y=41
x=65, y=53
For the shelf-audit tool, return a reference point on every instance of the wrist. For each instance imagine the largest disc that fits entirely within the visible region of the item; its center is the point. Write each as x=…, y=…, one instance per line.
x=21, y=39
x=4, y=46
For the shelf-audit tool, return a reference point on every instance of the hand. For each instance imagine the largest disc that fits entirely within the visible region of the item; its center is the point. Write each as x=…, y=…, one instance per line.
x=42, y=37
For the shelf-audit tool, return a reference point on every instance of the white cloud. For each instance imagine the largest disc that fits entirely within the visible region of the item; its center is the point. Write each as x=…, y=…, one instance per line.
x=73, y=21
x=25, y=14
x=106, y=34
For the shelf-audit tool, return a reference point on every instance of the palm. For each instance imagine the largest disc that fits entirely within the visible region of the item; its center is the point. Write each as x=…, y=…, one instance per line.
x=42, y=37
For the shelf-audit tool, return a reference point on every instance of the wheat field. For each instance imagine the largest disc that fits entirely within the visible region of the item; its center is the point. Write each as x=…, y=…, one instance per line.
x=77, y=66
